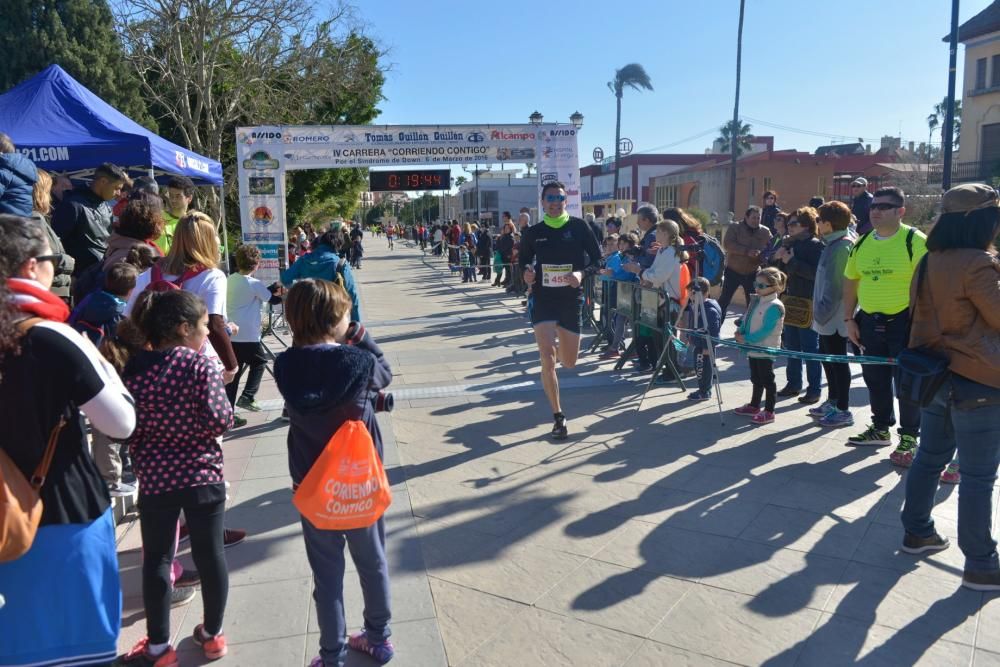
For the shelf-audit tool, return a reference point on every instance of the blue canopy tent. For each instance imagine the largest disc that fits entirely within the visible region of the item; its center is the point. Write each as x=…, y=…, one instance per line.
x=64, y=127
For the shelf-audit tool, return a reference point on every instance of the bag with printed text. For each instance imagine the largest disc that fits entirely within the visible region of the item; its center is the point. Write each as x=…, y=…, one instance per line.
x=347, y=487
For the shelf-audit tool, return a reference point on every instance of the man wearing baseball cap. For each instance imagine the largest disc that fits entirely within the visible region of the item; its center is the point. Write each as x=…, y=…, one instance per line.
x=861, y=202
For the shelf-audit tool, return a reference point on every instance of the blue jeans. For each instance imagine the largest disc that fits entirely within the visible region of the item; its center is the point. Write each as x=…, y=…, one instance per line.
x=976, y=435
x=325, y=550
x=802, y=340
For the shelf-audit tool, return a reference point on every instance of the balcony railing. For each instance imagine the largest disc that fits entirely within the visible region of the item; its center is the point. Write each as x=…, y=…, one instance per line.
x=966, y=172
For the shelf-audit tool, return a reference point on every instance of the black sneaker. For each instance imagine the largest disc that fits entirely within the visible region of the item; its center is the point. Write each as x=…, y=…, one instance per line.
x=918, y=545
x=977, y=580
x=181, y=595
x=559, y=430
x=809, y=398
x=787, y=391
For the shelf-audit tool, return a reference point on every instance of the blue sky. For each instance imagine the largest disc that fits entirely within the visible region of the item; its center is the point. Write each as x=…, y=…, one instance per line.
x=848, y=69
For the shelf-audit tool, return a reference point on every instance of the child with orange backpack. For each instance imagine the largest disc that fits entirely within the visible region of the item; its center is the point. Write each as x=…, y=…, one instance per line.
x=332, y=375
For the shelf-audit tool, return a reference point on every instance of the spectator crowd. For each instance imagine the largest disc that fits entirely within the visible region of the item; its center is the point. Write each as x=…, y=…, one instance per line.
x=123, y=344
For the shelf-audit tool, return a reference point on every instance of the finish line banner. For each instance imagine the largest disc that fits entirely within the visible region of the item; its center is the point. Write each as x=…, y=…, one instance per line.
x=266, y=152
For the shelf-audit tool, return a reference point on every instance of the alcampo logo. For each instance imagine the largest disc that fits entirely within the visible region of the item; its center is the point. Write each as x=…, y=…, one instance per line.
x=500, y=135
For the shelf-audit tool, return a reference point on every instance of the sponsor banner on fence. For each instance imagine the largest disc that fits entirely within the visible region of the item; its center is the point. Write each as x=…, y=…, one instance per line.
x=265, y=153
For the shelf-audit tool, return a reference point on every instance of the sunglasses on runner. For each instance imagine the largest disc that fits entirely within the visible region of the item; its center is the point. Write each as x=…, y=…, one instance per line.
x=555, y=198
x=884, y=206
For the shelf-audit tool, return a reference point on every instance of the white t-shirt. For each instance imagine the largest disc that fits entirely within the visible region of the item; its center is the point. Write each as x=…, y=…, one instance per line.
x=210, y=285
x=244, y=298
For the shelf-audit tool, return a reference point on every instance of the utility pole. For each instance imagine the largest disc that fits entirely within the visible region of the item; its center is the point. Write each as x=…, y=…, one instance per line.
x=949, y=118
x=734, y=130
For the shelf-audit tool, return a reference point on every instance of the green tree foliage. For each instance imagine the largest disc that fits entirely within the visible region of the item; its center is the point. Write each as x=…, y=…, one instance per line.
x=209, y=66
x=938, y=117
x=743, y=135
x=424, y=208
x=376, y=213
x=77, y=35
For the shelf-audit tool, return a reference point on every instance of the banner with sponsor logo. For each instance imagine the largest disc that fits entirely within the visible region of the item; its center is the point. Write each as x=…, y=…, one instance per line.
x=265, y=153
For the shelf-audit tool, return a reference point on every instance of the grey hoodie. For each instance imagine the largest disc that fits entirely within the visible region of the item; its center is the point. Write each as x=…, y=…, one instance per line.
x=828, y=289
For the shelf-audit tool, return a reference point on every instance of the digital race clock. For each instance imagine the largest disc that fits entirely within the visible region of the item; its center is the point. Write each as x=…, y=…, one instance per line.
x=409, y=179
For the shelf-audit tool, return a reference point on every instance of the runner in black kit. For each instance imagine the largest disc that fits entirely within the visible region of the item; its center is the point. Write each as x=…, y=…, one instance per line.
x=555, y=254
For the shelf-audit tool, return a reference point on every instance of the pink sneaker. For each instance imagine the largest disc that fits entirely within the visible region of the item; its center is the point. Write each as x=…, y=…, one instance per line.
x=747, y=411
x=951, y=475
x=763, y=417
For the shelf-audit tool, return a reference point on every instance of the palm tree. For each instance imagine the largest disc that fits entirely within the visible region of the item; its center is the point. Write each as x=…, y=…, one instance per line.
x=743, y=138
x=632, y=76
x=937, y=118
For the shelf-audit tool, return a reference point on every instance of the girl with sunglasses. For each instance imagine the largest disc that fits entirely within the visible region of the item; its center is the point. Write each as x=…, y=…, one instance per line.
x=762, y=326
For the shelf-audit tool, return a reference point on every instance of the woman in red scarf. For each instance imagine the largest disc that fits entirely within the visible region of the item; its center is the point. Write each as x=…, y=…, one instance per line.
x=49, y=372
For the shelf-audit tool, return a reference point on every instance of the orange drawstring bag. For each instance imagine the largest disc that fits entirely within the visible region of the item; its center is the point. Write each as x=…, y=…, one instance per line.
x=347, y=487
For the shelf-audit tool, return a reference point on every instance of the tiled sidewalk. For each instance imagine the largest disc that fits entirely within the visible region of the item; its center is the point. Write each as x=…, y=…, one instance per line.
x=655, y=536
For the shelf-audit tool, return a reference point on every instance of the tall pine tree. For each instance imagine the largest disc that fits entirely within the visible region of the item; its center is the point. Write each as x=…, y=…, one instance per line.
x=77, y=35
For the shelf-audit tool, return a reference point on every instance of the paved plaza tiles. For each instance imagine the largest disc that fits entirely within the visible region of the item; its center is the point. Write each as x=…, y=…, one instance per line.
x=654, y=536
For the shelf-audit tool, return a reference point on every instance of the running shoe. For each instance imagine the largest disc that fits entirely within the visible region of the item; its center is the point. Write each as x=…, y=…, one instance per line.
x=837, y=418
x=214, y=647
x=700, y=396
x=559, y=430
x=248, y=404
x=951, y=474
x=747, y=410
x=872, y=437
x=239, y=422
x=903, y=454
x=788, y=391
x=382, y=652
x=140, y=656
x=180, y=595
x=121, y=489
x=763, y=417
x=822, y=410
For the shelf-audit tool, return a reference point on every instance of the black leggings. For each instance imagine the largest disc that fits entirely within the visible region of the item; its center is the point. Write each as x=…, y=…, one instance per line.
x=762, y=378
x=732, y=281
x=204, y=507
x=838, y=376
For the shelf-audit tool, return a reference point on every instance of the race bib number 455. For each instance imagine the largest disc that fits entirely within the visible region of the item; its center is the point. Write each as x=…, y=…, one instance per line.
x=556, y=275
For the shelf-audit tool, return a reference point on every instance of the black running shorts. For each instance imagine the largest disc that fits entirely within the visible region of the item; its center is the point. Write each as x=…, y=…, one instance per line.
x=566, y=312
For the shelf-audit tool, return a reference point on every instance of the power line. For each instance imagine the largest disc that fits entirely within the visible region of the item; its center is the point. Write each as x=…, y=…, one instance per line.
x=711, y=130
x=825, y=135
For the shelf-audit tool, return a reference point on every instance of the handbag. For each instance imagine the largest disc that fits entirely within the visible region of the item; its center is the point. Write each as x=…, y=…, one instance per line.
x=347, y=487
x=920, y=372
x=20, y=498
x=798, y=311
